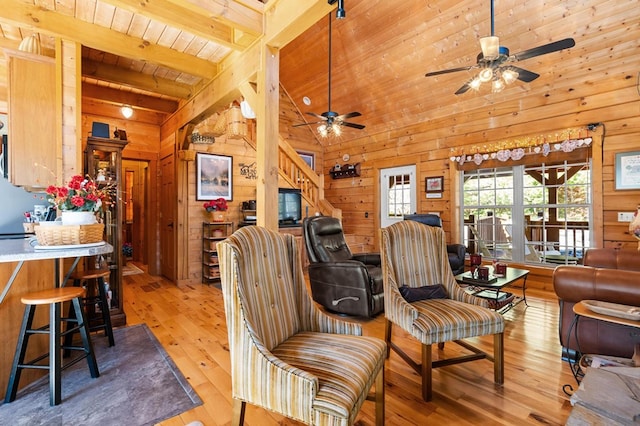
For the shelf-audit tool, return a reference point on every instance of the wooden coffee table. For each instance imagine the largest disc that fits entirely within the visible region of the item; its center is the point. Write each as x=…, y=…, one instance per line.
x=502, y=301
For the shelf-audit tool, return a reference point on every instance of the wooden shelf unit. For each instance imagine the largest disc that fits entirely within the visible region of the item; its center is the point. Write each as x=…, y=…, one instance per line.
x=212, y=232
x=346, y=171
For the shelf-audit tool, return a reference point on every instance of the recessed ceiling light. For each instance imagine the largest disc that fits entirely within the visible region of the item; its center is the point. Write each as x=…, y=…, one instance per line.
x=306, y=100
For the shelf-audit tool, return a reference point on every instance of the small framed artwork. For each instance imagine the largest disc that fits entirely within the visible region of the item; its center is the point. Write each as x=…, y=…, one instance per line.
x=214, y=176
x=434, y=186
x=308, y=158
x=628, y=170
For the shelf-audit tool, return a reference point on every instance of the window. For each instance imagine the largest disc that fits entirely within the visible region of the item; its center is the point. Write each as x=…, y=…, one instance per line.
x=397, y=194
x=533, y=214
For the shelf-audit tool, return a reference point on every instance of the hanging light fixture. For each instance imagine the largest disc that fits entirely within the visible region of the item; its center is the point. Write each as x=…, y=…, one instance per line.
x=126, y=111
x=340, y=12
x=492, y=72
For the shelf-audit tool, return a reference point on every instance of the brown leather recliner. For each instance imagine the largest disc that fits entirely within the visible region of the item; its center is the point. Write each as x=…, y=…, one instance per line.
x=610, y=276
x=342, y=282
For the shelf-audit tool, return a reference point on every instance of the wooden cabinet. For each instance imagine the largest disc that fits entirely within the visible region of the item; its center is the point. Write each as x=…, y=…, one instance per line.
x=212, y=232
x=34, y=150
x=104, y=165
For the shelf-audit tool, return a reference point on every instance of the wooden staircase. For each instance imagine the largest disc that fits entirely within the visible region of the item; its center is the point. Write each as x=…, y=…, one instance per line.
x=296, y=173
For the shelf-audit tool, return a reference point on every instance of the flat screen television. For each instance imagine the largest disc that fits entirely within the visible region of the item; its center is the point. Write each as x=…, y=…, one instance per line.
x=289, y=207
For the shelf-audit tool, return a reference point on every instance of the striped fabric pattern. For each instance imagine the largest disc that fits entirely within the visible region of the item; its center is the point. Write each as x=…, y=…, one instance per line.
x=343, y=365
x=416, y=255
x=282, y=358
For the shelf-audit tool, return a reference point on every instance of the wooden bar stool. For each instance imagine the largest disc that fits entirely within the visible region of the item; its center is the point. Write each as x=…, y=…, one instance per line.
x=54, y=298
x=96, y=295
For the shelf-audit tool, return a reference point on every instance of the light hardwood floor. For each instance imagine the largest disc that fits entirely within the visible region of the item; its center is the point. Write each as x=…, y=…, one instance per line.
x=190, y=323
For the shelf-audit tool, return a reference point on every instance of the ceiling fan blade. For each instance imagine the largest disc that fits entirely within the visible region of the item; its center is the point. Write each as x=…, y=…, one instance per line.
x=431, y=74
x=524, y=75
x=317, y=116
x=348, y=115
x=354, y=125
x=544, y=49
x=463, y=89
x=308, y=124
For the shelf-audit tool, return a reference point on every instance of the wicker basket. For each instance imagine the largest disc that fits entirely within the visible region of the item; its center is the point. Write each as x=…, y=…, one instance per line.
x=69, y=234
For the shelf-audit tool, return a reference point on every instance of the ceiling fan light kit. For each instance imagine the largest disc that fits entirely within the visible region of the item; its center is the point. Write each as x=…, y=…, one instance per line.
x=493, y=63
x=331, y=122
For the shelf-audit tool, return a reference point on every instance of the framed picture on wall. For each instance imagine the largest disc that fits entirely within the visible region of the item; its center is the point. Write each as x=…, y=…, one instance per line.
x=434, y=186
x=308, y=158
x=214, y=176
x=628, y=170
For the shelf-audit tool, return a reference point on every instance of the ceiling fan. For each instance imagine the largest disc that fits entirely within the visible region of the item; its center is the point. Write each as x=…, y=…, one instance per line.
x=494, y=62
x=330, y=121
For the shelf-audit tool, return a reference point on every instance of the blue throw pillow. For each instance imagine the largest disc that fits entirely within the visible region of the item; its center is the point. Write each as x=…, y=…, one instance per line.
x=413, y=294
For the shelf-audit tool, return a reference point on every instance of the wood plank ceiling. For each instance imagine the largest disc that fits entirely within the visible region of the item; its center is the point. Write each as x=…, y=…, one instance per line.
x=166, y=49
x=150, y=55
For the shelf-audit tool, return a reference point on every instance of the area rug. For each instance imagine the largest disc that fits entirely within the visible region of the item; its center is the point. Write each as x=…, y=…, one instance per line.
x=138, y=385
x=131, y=269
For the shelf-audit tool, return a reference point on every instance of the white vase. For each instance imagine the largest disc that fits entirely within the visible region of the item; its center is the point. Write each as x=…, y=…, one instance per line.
x=78, y=218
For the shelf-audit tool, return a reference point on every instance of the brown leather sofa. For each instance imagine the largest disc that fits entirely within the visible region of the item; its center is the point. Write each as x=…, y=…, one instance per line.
x=607, y=275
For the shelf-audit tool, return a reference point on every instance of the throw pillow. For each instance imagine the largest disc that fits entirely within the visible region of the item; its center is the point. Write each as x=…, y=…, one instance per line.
x=413, y=294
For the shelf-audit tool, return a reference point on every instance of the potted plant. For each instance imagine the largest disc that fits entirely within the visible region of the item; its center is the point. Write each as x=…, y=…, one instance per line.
x=79, y=200
x=217, y=208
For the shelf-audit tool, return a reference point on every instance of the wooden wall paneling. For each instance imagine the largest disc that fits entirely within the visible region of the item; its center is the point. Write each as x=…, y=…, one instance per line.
x=433, y=140
x=70, y=117
x=141, y=137
x=113, y=111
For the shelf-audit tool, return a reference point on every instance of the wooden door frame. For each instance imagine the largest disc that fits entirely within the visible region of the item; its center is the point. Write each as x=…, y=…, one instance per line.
x=152, y=225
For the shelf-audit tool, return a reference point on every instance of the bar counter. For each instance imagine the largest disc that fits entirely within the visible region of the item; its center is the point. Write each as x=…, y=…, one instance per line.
x=26, y=268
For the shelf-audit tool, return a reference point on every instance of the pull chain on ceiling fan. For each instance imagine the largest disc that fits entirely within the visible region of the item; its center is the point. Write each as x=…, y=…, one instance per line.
x=494, y=62
x=332, y=122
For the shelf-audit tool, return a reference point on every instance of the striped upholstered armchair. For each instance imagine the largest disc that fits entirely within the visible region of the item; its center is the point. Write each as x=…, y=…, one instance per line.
x=414, y=257
x=286, y=355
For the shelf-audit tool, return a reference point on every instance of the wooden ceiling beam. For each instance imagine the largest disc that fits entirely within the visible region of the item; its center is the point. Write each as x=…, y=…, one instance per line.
x=243, y=15
x=287, y=19
x=134, y=79
x=185, y=19
x=119, y=97
x=100, y=38
x=217, y=94
x=95, y=107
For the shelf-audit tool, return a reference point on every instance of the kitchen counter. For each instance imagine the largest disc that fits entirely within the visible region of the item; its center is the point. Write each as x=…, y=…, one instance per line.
x=27, y=249
x=24, y=269
x=15, y=250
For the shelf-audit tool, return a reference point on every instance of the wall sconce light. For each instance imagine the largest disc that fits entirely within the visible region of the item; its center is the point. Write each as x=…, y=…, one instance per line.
x=31, y=44
x=247, y=112
x=127, y=111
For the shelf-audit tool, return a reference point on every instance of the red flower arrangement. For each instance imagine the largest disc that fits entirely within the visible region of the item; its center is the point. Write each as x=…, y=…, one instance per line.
x=219, y=204
x=81, y=195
